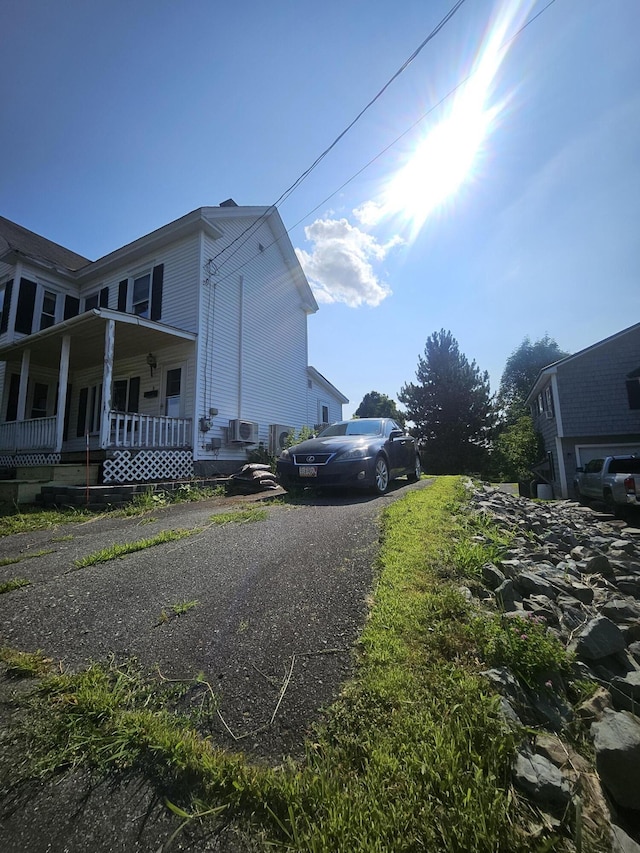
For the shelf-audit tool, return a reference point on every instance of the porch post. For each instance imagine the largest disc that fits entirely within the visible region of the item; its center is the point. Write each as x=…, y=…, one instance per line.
x=24, y=381
x=63, y=378
x=107, y=381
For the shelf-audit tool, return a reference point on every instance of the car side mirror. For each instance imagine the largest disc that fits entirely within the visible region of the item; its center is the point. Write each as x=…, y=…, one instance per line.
x=580, y=470
x=396, y=433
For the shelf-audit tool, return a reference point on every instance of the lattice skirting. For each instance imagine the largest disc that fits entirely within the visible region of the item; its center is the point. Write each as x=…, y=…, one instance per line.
x=147, y=465
x=28, y=460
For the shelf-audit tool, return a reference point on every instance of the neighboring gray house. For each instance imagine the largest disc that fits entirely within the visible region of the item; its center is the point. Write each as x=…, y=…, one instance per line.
x=588, y=405
x=169, y=357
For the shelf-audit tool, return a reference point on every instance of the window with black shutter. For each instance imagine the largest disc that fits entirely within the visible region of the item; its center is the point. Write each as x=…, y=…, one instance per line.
x=25, y=306
x=122, y=294
x=104, y=297
x=12, y=397
x=71, y=306
x=5, y=307
x=156, y=292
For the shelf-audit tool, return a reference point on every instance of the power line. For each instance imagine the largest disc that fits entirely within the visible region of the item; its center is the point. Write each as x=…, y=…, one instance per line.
x=285, y=195
x=425, y=115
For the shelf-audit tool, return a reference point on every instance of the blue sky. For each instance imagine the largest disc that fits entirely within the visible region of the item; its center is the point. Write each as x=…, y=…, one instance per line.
x=119, y=117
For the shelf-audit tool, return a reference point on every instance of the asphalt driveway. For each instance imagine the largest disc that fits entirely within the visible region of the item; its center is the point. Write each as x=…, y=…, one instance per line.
x=282, y=595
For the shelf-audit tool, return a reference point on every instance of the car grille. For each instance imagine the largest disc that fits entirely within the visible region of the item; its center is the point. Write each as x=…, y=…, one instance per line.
x=312, y=458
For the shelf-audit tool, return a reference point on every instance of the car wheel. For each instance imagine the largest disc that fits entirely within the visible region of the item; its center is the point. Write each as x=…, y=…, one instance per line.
x=414, y=476
x=381, y=471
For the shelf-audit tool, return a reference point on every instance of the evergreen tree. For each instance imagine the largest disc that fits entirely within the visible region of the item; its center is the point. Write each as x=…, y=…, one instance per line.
x=376, y=405
x=450, y=405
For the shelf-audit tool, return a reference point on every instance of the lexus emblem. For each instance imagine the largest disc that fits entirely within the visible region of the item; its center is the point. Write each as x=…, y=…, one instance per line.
x=310, y=459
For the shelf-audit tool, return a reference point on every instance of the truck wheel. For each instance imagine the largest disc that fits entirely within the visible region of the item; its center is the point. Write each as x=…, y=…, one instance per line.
x=579, y=496
x=610, y=505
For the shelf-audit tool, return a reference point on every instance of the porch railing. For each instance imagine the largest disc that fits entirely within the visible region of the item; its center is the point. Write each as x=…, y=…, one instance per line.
x=135, y=430
x=34, y=434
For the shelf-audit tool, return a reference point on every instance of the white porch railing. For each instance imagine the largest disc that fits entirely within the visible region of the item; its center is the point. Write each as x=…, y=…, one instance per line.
x=34, y=434
x=135, y=430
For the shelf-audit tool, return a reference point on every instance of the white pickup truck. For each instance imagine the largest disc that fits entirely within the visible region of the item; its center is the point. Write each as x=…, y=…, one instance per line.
x=614, y=480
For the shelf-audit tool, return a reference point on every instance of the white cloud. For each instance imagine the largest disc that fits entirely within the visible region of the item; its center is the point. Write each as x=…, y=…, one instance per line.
x=340, y=265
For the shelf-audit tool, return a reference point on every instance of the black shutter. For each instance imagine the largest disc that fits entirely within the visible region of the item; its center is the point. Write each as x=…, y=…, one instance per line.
x=134, y=394
x=67, y=412
x=4, y=320
x=122, y=294
x=82, y=412
x=633, y=393
x=104, y=297
x=12, y=402
x=71, y=306
x=156, y=292
x=26, y=303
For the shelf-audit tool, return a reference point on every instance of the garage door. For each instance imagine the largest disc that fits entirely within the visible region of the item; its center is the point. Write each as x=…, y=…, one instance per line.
x=586, y=452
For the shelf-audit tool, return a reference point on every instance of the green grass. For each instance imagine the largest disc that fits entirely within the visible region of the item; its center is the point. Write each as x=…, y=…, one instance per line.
x=32, y=518
x=113, y=552
x=13, y=583
x=240, y=516
x=149, y=501
x=24, y=664
x=173, y=610
x=414, y=756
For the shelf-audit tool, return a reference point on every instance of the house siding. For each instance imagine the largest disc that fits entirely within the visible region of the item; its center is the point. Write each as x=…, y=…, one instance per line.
x=252, y=340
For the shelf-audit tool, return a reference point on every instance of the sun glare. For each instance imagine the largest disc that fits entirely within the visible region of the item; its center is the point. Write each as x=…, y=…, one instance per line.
x=448, y=155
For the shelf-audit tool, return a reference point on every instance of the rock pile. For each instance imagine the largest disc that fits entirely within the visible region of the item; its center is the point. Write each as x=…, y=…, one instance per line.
x=579, y=572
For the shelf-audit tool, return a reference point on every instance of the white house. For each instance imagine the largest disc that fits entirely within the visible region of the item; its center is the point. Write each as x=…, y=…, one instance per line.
x=166, y=358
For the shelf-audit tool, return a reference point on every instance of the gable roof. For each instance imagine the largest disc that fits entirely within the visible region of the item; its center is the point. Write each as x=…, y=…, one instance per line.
x=324, y=382
x=16, y=239
x=552, y=368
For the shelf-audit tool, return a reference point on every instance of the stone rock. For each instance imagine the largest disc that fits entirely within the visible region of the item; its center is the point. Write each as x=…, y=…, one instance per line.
x=599, y=638
x=620, y=610
x=492, y=576
x=629, y=585
x=598, y=565
x=593, y=709
x=625, y=545
x=506, y=596
x=634, y=649
x=617, y=745
x=625, y=692
x=540, y=779
x=621, y=842
x=530, y=583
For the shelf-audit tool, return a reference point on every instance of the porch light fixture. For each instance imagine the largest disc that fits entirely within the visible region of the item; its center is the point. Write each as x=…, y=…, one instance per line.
x=152, y=361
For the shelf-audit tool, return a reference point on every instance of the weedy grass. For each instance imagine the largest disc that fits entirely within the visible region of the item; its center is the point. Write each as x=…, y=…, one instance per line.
x=413, y=756
x=13, y=583
x=14, y=520
x=149, y=501
x=9, y=561
x=177, y=609
x=24, y=664
x=240, y=516
x=113, y=552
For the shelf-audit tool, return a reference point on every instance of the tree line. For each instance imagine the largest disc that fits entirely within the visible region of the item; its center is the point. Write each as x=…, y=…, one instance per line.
x=462, y=427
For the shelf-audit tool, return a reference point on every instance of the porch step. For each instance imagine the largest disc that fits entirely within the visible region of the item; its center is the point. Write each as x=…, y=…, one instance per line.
x=61, y=473
x=92, y=496
x=21, y=491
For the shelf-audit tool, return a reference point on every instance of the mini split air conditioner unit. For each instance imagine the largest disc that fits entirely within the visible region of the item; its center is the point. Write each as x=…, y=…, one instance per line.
x=243, y=432
x=278, y=434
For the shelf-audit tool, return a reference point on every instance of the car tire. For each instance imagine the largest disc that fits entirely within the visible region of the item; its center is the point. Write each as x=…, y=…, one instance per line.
x=610, y=505
x=414, y=476
x=381, y=475
x=579, y=496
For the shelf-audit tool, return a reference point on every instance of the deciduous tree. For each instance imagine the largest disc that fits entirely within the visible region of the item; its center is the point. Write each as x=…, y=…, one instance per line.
x=377, y=405
x=450, y=405
x=520, y=373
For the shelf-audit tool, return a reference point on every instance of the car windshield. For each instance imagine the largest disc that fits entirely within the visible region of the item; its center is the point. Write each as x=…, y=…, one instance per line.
x=362, y=426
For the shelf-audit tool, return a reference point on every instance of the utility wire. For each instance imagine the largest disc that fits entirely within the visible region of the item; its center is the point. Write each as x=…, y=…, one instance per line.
x=285, y=195
x=370, y=162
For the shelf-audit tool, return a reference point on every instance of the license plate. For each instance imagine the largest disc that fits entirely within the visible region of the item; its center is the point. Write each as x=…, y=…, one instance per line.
x=308, y=470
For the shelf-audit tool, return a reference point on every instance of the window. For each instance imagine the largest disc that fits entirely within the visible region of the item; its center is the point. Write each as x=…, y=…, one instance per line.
x=126, y=394
x=172, y=392
x=633, y=389
x=48, y=313
x=140, y=301
x=89, y=410
x=39, y=403
x=91, y=302
x=325, y=414
x=5, y=304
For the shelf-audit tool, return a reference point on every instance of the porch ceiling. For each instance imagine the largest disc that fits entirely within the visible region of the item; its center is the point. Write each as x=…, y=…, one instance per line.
x=134, y=336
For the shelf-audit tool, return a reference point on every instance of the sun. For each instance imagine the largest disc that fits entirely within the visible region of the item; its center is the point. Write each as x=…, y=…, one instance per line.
x=449, y=154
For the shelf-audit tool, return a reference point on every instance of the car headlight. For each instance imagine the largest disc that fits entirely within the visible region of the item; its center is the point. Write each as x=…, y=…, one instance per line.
x=350, y=455
x=285, y=455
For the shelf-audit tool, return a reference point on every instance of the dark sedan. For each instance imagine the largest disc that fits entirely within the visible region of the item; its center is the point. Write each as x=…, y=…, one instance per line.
x=366, y=452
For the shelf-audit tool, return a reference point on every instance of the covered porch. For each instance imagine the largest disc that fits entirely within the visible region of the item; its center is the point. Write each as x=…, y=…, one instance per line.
x=91, y=383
